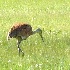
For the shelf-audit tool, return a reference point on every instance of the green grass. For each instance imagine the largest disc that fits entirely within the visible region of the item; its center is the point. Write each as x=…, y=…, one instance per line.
x=53, y=17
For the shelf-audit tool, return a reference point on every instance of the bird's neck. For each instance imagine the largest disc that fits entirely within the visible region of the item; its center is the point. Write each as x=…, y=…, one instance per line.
x=36, y=31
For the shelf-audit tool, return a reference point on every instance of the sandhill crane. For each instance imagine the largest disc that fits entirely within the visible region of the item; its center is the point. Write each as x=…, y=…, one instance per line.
x=21, y=31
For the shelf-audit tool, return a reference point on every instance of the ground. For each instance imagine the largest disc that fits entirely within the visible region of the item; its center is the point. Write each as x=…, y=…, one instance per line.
x=53, y=17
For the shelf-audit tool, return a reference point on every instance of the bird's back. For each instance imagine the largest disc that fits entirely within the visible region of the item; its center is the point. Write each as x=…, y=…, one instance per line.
x=21, y=29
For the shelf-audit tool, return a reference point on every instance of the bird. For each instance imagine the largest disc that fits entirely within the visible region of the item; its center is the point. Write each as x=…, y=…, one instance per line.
x=21, y=31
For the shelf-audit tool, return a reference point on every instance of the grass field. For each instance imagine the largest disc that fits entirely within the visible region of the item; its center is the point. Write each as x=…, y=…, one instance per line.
x=53, y=17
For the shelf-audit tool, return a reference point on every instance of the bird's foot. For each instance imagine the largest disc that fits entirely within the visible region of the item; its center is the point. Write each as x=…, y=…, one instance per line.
x=20, y=51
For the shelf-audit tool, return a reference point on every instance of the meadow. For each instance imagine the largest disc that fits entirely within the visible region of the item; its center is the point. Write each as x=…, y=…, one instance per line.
x=53, y=17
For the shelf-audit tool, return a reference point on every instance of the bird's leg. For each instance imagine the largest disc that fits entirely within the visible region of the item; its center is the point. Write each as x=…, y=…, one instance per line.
x=18, y=44
x=19, y=49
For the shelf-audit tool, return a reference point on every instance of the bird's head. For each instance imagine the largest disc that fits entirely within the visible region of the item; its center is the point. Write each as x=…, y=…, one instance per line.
x=40, y=33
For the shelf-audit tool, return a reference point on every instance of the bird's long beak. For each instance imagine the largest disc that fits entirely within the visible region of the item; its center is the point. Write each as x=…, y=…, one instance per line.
x=40, y=33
